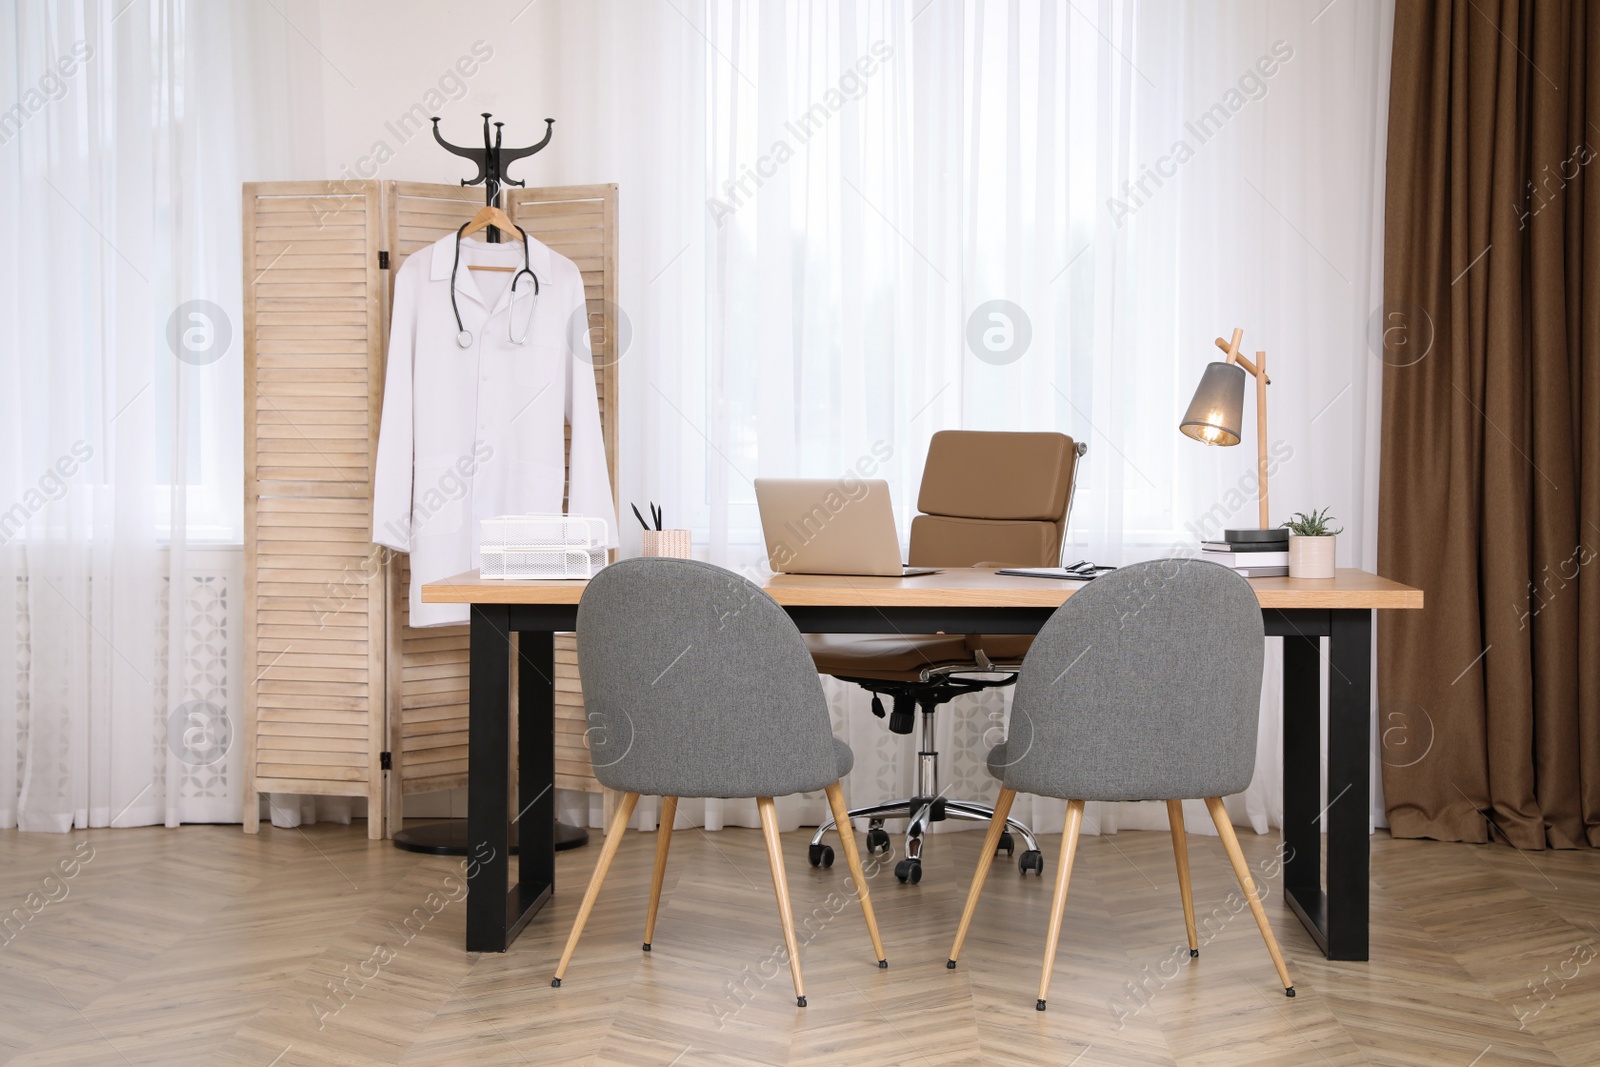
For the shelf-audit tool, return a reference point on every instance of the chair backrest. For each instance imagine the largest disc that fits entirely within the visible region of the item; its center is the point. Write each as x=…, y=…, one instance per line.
x=1144, y=685
x=697, y=684
x=993, y=497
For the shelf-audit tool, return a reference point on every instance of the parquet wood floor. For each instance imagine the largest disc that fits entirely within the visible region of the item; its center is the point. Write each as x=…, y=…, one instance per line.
x=316, y=946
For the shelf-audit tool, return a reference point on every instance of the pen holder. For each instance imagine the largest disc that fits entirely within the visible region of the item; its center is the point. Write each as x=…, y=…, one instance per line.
x=674, y=543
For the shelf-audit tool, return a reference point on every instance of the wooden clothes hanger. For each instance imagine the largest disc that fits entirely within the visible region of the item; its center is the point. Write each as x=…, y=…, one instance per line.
x=490, y=215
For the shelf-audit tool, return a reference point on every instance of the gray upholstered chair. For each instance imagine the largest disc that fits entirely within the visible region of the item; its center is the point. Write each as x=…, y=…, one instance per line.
x=697, y=684
x=1144, y=685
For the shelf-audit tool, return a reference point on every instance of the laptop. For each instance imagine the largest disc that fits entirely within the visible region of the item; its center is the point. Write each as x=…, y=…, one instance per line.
x=831, y=526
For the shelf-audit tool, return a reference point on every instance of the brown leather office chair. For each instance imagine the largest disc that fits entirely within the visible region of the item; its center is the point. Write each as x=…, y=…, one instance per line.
x=990, y=499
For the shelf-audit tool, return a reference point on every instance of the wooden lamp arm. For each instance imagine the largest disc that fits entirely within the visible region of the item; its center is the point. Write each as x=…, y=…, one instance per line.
x=1258, y=371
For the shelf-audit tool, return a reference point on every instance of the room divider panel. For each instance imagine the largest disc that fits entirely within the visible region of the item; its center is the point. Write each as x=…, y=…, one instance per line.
x=347, y=699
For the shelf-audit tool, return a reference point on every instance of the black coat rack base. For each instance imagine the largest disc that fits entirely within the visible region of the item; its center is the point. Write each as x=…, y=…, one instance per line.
x=449, y=838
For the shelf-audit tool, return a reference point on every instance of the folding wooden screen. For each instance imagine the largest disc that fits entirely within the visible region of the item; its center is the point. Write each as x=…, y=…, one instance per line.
x=348, y=699
x=314, y=621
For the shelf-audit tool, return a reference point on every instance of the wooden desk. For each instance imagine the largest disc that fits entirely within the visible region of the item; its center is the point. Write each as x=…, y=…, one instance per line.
x=952, y=601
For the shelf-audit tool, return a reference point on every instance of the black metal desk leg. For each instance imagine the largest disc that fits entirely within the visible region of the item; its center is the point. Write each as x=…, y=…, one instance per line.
x=536, y=763
x=1349, y=783
x=488, y=774
x=1302, y=779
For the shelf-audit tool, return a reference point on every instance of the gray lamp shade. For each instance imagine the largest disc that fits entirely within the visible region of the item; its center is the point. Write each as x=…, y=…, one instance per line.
x=1216, y=413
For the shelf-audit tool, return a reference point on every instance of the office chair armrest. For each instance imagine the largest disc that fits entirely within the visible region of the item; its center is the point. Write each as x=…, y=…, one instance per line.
x=982, y=665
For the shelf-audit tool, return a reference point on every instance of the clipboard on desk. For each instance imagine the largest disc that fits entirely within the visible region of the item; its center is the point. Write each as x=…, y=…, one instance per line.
x=1082, y=571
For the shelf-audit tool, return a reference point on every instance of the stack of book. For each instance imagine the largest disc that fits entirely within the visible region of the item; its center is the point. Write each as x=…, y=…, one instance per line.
x=1267, y=558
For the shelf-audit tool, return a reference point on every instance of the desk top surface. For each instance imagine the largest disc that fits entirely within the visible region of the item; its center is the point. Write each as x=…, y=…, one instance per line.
x=973, y=588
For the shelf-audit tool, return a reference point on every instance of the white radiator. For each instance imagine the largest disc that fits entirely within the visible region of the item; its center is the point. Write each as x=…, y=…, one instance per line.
x=198, y=690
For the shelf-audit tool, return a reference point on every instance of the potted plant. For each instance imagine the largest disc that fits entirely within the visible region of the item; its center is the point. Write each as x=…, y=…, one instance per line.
x=1311, y=544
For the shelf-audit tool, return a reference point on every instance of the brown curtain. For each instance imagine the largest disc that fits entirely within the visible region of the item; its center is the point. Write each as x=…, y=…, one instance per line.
x=1489, y=698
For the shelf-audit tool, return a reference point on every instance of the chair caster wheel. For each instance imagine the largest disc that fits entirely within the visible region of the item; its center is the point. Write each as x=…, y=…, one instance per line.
x=1193, y=953
x=555, y=983
x=950, y=965
x=877, y=838
x=1039, y=1006
x=822, y=855
x=1007, y=843
x=1031, y=860
x=799, y=1002
x=1288, y=991
x=909, y=871
x=883, y=965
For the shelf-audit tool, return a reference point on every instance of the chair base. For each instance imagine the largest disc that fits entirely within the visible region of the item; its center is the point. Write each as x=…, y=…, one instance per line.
x=927, y=807
x=922, y=812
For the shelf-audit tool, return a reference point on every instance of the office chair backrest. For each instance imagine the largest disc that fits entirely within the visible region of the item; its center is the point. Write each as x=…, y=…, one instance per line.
x=993, y=497
x=697, y=684
x=1144, y=685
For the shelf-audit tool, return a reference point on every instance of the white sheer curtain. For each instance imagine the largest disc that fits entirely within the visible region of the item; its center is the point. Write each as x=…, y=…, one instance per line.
x=821, y=200
x=119, y=209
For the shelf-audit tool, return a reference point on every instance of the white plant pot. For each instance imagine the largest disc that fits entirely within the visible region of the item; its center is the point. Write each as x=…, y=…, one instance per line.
x=1311, y=557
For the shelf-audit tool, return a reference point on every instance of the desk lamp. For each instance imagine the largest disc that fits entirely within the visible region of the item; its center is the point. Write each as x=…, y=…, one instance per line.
x=1216, y=414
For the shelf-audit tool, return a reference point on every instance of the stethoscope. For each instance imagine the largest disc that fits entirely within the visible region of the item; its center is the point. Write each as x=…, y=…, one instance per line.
x=464, y=335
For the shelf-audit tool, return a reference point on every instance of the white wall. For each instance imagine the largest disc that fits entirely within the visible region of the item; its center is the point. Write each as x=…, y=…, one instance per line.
x=375, y=59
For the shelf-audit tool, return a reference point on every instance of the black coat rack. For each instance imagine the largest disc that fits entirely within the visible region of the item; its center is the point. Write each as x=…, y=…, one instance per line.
x=492, y=161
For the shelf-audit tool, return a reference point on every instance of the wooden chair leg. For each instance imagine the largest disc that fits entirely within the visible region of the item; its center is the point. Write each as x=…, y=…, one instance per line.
x=1180, y=850
x=847, y=837
x=780, y=884
x=1230, y=842
x=991, y=841
x=1069, y=848
x=619, y=823
x=669, y=812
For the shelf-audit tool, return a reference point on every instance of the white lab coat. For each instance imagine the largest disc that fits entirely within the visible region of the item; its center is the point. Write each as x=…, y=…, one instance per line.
x=471, y=433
